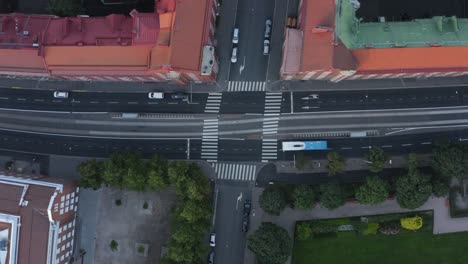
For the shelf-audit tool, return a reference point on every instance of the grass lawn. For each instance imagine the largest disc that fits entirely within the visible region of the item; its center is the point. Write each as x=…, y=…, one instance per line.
x=413, y=248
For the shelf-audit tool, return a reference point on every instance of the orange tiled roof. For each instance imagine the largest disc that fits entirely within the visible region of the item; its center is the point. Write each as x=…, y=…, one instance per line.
x=97, y=57
x=21, y=60
x=411, y=58
x=188, y=34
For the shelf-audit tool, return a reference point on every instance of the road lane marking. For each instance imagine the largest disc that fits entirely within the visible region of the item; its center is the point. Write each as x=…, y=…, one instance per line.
x=406, y=145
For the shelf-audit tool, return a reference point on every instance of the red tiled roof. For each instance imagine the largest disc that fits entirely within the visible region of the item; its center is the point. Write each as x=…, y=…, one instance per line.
x=188, y=34
x=411, y=58
x=319, y=51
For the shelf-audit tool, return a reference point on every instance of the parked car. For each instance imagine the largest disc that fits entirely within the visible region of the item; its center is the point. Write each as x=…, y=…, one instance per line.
x=245, y=223
x=247, y=206
x=234, y=55
x=179, y=96
x=268, y=24
x=211, y=257
x=266, y=47
x=155, y=95
x=213, y=240
x=235, y=36
x=58, y=94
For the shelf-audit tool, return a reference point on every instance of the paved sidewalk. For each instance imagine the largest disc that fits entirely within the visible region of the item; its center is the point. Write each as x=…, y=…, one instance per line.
x=288, y=218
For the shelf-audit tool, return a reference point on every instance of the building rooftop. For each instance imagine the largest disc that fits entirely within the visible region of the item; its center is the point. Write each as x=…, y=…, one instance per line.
x=435, y=31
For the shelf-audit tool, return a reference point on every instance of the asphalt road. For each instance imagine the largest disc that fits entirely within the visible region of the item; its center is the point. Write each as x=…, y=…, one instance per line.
x=250, y=19
x=374, y=99
x=94, y=147
x=230, y=240
x=98, y=102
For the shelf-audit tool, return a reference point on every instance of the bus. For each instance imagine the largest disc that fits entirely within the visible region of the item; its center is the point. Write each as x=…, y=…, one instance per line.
x=305, y=145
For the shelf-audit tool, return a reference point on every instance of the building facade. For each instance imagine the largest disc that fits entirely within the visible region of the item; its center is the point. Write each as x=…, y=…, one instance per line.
x=332, y=43
x=175, y=43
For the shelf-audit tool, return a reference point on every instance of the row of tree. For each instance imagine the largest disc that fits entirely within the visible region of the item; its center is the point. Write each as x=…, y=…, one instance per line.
x=191, y=217
x=412, y=189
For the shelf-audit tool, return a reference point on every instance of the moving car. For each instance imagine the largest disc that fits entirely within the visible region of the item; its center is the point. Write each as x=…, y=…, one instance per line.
x=247, y=206
x=179, y=96
x=213, y=240
x=266, y=47
x=234, y=55
x=235, y=36
x=155, y=95
x=58, y=94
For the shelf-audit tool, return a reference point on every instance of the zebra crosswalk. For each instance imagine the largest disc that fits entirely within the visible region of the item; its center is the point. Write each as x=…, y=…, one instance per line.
x=273, y=103
x=269, y=149
x=209, y=149
x=246, y=86
x=237, y=172
x=213, y=103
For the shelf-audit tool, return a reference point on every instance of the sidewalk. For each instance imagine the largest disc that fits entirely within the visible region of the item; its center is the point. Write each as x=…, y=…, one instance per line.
x=288, y=218
x=352, y=164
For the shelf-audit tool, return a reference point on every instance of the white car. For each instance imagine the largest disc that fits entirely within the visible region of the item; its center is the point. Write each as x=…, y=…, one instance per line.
x=266, y=47
x=155, y=95
x=234, y=55
x=235, y=36
x=58, y=94
x=213, y=240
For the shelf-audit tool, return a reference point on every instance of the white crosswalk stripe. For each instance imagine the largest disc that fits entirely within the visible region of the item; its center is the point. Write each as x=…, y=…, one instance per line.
x=213, y=102
x=246, y=86
x=236, y=172
x=210, y=140
x=273, y=103
x=270, y=126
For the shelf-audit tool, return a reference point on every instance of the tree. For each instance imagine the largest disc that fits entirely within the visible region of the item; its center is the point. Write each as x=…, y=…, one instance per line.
x=301, y=161
x=377, y=158
x=114, y=245
x=273, y=200
x=304, y=197
x=157, y=178
x=374, y=191
x=193, y=211
x=303, y=231
x=120, y=166
x=331, y=196
x=413, y=189
x=450, y=160
x=178, y=173
x=91, y=174
x=270, y=243
x=440, y=187
x=335, y=164
x=65, y=8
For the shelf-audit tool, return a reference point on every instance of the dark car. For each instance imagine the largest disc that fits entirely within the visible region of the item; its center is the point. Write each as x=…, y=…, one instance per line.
x=245, y=223
x=179, y=96
x=211, y=258
x=247, y=206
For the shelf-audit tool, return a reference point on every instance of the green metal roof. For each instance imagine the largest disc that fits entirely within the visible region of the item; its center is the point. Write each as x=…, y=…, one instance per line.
x=444, y=31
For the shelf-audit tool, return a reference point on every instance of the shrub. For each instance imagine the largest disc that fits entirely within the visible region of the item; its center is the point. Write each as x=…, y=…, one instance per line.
x=321, y=228
x=360, y=227
x=371, y=229
x=118, y=202
x=303, y=231
x=141, y=249
x=389, y=228
x=304, y=197
x=114, y=245
x=411, y=223
x=273, y=200
x=145, y=205
x=331, y=196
